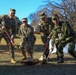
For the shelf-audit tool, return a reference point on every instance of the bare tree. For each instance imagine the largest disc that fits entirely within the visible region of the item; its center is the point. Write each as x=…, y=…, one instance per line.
x=66, y=8
x=35, y=19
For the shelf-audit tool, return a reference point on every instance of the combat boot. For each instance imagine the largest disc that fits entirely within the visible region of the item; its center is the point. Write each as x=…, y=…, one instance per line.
x=24, y=56
x=60, y=59
x=13, y=61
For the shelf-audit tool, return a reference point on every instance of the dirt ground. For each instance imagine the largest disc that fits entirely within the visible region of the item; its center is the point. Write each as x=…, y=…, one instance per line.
x=51, y=68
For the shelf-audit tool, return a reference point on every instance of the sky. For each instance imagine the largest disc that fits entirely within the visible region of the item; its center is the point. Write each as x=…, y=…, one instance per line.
x=23, y=7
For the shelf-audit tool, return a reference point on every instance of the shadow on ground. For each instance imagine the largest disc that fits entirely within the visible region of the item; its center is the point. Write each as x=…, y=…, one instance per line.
x=46, y=69
x=51, y=68
x=37, y=48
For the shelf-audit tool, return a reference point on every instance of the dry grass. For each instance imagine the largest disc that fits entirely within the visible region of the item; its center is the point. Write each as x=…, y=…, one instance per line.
x=4, y=53
x=6, y=68
x=38, y=50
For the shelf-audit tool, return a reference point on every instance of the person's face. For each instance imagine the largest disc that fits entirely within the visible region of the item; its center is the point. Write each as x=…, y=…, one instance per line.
x=11, y=14
x=55, y=21
x=44, y=19
x=24, y=23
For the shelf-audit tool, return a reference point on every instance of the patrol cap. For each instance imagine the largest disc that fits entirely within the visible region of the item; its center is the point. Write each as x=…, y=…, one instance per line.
x=55, y=16
x=24, y=19
x=42, y=15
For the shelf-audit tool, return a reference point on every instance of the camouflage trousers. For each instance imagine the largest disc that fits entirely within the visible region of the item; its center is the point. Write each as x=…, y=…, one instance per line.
x=71, y=47
x=46, y=48
x=10, y=46
x=26, y=45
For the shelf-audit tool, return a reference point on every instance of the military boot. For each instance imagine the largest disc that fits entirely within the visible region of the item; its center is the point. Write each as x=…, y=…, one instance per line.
x=60, y=59
x=13, y=61
x=24, y=55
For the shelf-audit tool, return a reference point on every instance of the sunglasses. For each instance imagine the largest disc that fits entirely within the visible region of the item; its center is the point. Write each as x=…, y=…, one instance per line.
x=24, y=21
x=12, y=13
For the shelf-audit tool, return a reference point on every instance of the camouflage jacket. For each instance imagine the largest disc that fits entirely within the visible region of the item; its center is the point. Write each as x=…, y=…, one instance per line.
x=63, y=31
x=27, y=31
x=9, y=24
x=46, y=28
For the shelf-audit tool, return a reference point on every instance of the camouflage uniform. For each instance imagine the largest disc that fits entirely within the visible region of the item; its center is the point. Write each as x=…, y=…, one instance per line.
x=28, y=39
x=10, y=26
x=45, y=29
x=65, y=34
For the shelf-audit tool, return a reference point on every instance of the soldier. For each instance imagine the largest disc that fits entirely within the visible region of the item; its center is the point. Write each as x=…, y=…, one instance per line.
x=62, y=34
x=8, y=24
x=28, y=39
x=46, y=26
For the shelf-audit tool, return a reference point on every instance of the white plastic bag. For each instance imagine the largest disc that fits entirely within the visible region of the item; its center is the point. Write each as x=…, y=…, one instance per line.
x=65, y=49
x=54, y=51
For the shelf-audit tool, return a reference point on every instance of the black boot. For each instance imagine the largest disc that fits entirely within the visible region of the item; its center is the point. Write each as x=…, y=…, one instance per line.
x=60, y=59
